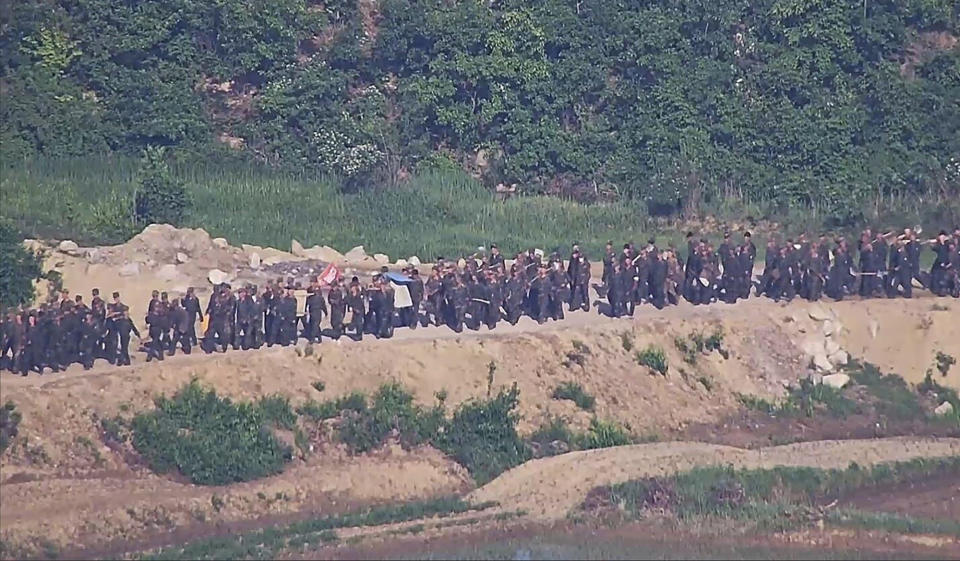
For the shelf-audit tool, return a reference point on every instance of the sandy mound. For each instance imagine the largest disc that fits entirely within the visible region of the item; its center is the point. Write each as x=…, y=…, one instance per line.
x=550, y=487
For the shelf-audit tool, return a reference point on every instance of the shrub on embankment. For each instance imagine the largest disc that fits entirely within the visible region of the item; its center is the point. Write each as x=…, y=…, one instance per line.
x=214, y=441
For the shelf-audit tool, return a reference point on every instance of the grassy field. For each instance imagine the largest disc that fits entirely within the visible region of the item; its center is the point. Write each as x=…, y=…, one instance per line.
x=437, y=213
x=442, y=213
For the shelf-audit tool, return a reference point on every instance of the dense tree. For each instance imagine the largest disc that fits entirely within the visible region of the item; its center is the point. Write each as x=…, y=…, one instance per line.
x=816, y=102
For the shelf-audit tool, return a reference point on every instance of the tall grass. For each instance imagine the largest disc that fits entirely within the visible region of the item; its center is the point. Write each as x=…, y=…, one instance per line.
x=438, y=213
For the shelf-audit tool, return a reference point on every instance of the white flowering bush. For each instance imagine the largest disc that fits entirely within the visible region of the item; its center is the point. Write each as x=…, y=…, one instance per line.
x=336, y=153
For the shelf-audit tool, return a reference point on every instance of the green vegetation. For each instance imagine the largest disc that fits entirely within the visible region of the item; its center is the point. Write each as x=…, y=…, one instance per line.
x=575, y=393
x=773, y=498
x=160, y=198
x=600, y=434
x=391, y=411
x=654, y=358
x=209, y=439
x=355, y=402
x=806, y=398
x=663, y=104
x=944, y=362
x=697, y=343
x=578, y=355
x=18, y=267
x=895, y=399
x=267, y=543
x=9, y=424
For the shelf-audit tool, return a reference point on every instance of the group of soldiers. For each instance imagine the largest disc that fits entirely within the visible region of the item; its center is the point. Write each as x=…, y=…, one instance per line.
x=476, y=291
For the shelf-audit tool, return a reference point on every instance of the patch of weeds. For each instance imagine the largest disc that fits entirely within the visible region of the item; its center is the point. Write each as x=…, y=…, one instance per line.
x=626, y=341
x=210, y=439
x=697, y=343
x=654, y=358
x=894, y=398
x=553, y=430
x=91, y=448
x=706, y=382
x=755, y=403
x=320, y=411
x=575, y=393
x=217, y=502
x=578, y=355
x=276, y=409
x=9, y=424
x=806, y=399
x=301, y=441
x=114, y=430
x=944, y=362
x=268, y=542
x=491, y=370
x=893, y=522
x=36, y=454
x=604, y=434
x=942, y=393
x=319, y=386
x=926, y=322
x=939, y=308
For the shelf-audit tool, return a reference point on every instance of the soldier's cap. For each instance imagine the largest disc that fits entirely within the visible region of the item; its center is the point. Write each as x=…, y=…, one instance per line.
x=726, y=235
x=746, y=234
x=116, y=295
x=355, y=279
x=609, y=242
x=494, y=246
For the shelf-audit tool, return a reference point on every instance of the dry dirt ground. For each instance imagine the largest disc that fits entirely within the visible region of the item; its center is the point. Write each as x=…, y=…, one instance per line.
x=60, y=484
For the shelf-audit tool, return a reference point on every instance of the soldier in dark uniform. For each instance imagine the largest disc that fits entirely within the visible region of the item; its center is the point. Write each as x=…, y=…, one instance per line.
x=180, y=322
x=458, y=297
x=256, y=336
x=374, y=305
x=31, y=354
x=287, y=318
x=869, y=271
x=770, y=261
x=578, y=273
x=495, y=260
x=191, y=304
x=434, y=298
x=658, y=281
x=416, y=290
x=124, y=325
x=338, y=308
x=514, y=297
x=244, y=317
x=559, y=290
x=218, y=310
x=356, y=300
x=494, y=290
x=316, y=309
x=899, y=271
x=940, y=271
x=156, y=323
x=813, y=276
x=89, y=333
x=387, y=309
x=616, y=293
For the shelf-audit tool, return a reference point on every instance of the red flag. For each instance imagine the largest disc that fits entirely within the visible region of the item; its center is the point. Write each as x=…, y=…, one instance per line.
x=329, y=275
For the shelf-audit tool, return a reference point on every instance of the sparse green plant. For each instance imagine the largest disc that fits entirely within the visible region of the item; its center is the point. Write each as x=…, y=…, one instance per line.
x=9, y=424
x=491, y=369
x=937, y=307
x=604, y=434
x=706, y=382
x=654, y=358
x=217, y=502
x=944, y=362
x=276, y=409
x=626, y=341
x=319, y=385
x=555, y=429
x=320, y=411
x=114, y=430
x=575, y=393
x=160, y=197
x=301, y=441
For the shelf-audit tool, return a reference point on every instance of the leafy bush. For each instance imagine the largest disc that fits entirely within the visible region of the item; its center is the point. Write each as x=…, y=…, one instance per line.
x=575, y=393
x=698, y=343
x=9, y=424
x=804, y=399
x=482, y=436
x=209, y=439
x=555, y=429
x=944, y=362
x=160, y=198
x=18, y=268
x=894, y=398
x=392, y=410
x=654, y=358
x=276, y=409
x=603, y=434
x=319, y=411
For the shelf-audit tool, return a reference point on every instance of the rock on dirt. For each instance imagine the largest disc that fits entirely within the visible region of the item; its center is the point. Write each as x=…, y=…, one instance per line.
x=216, y=276
x=221, y=243
x=822, y=363
x=381, y=258
x=356, y=254
x=839, y=358
x=326, y=254
x=296, y=248
x=401, y=263
x=414, y=260
x=945, y=408
x=182, y=257
x=68, y=246
x=836, y=380
x=254, y=260
x=874, y=328
x=818, y=313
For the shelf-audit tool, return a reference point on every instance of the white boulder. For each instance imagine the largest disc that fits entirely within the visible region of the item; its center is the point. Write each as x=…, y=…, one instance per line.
x=813, y=346
x=381, y=258
x=822, y=363
x=839, y=358
x=216, y=276
x=874, y=328
x=221, y=243
x=945, y=408
x=356, y=254
x=68, y=246
x=254, y=260
x=831, y=347
x=414, y=260
x=836, y=380
x=182, y=257
x=401, y=263
x=326, y=254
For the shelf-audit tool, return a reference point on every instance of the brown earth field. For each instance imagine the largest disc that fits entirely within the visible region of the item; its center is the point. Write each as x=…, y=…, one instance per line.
x=63, y=488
